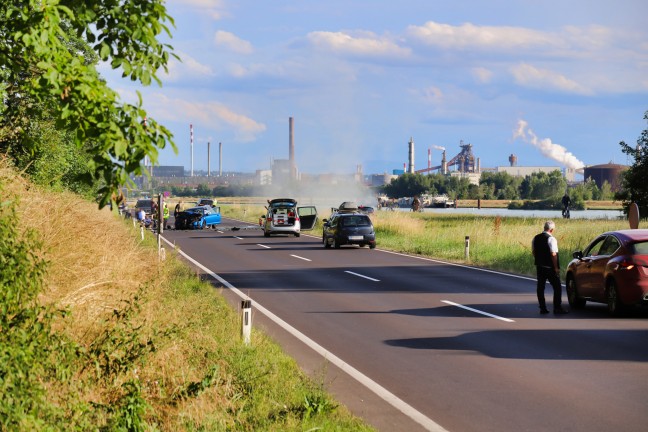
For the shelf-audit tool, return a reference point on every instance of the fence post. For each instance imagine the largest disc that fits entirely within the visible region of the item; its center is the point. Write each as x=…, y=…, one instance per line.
x=246, y=320
x=467, y=250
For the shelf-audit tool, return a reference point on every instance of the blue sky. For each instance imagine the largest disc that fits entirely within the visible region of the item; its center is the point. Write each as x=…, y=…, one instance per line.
x=557, y=83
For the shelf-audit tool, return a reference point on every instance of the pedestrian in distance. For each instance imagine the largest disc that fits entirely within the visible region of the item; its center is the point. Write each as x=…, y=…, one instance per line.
x=177, y=209
x=545, y=253
x=566, y=202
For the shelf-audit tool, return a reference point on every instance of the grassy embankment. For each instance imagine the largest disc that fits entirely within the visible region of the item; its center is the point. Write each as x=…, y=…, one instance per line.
x=145, y=345
x=495, y=242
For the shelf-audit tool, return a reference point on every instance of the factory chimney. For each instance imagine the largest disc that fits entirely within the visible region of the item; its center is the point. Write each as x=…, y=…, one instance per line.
x=444, y=163
x=513, y=160
x=208, y=159
x=410, y=169
x=220, y=159
x=291, y=146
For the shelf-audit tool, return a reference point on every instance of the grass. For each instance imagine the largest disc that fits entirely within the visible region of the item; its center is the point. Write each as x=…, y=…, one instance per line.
x=156, y=348
x=500, y=243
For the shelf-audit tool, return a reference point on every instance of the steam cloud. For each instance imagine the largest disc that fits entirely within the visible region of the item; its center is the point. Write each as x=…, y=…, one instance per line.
x=438, y=147
x=547, y=148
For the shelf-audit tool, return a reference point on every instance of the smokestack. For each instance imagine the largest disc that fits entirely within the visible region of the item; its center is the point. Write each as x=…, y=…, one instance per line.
x=513, y=160
x=478, y=166
x=444, y=163
x=191, y=140
x=208, y=159
x=220, y=159
x=291, y=146
x=411, y=156
x=429, y=160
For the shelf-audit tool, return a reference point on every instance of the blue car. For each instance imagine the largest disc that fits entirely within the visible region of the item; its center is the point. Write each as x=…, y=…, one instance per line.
x=198, y=218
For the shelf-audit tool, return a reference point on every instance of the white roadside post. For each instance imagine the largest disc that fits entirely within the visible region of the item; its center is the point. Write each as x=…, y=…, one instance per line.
x=246, y=320
x=467, y=250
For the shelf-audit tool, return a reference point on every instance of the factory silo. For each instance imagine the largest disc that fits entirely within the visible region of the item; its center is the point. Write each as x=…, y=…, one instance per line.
x=606, y=172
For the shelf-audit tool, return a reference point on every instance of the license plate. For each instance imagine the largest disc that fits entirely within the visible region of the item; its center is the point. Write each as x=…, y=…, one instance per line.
x=356, y=237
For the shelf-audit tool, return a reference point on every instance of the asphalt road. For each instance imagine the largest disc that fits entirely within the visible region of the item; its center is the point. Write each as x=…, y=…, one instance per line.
x=417, y=344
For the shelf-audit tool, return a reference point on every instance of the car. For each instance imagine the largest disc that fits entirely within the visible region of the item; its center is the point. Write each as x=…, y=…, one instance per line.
x=348, y=228
x=205, y=202
x=366, y=209
x=612, y=269
x=284, y=217
x=198, y=218
x=144, y=203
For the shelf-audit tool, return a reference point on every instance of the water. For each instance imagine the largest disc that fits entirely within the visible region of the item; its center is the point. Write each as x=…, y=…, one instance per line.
x=543, y=214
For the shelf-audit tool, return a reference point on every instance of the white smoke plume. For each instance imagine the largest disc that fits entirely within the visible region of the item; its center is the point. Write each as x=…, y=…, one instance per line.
x=438, y=147
x=547, y=148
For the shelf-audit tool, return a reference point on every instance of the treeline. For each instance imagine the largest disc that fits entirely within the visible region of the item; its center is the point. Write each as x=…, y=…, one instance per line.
x=503, y=186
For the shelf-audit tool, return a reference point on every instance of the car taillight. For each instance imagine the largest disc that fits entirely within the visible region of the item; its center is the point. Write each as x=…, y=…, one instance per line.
x=626, y=264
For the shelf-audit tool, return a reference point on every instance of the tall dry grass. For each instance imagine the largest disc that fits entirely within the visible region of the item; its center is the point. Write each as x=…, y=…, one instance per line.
x=159, y=325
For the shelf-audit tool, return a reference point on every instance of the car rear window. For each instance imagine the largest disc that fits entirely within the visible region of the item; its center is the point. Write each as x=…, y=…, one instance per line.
x=355, y=221
x=641, y=248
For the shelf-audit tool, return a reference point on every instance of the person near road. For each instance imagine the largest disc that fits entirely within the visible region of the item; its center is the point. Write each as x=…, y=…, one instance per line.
x=177, y=209
x=165, y=214
x=545, y=253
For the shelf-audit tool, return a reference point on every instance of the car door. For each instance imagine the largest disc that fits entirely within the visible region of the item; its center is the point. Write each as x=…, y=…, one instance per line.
x=584, y=278
x=598, y=265
x=307, y=217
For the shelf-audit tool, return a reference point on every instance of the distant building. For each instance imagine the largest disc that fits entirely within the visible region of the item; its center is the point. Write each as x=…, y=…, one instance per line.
x=168, y=171
x=606, y=172
x=473, y=177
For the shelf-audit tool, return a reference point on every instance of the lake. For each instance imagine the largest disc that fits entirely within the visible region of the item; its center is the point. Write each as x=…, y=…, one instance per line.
x=544, y=214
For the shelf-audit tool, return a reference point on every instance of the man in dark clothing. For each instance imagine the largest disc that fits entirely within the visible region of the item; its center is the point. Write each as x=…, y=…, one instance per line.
x=545, y=252
x=566, y=202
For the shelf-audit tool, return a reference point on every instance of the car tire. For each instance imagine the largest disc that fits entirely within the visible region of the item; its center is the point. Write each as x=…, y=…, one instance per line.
x=327, y=245
x=266, y=234
x=297, y=234
x=614, y=304
x=336, y=243
x=574, y=300
x=372, y=246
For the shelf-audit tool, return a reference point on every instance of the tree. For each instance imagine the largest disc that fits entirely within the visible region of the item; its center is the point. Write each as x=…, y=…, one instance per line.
x=634, y=187
x=48, y=52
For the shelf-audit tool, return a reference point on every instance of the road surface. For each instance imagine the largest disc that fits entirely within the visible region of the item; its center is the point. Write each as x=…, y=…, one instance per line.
x=417, y=344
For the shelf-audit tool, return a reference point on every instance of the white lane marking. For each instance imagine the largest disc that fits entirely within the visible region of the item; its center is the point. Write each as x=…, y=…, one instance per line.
x=264, y=246
x=301, y=258
x=219, y=231
x=362, y=276
x=236, y=237
x=379, y=390
x=477, y=311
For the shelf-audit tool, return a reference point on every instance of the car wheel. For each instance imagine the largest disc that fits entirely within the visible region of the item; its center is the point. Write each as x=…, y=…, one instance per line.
x=336, y=243
x=372, y=246
x=266, y=234
x=297, y=234
x=572, y=294
x=327, y=245
x=615, y=307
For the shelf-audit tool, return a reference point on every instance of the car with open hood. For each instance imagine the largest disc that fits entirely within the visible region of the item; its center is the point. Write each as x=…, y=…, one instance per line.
x=198, y=218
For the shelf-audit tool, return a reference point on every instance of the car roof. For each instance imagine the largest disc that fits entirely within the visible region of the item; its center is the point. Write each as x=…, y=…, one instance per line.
x=630, y=235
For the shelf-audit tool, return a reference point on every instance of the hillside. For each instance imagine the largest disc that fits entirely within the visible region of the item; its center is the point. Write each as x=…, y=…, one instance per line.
x=121, y=341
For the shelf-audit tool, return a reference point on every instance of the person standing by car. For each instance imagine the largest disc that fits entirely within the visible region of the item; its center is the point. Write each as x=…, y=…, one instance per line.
x=545, y=253
x=177, y=209
x=165, y=214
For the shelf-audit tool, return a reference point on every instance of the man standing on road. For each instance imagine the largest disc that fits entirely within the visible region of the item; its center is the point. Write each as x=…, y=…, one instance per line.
x=545, y=252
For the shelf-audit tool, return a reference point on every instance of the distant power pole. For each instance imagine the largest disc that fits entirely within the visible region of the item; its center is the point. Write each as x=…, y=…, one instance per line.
x=208, y=159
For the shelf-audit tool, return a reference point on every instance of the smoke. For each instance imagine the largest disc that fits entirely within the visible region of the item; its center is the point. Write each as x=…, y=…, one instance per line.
x=438, y=147
x=547, y=148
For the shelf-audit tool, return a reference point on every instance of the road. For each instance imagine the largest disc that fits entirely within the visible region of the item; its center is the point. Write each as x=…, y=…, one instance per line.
x=419, y=344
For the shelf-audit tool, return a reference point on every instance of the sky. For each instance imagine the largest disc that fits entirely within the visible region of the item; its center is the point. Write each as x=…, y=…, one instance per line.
x=554, y=82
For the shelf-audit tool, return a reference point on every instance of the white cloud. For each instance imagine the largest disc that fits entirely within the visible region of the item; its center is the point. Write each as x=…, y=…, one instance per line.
x=530, y=76
x=188, y=67
x=470, y=36
x=482, y=75
x=232, y=42
x=368, y=45
x=214, y=8
x=212, y=115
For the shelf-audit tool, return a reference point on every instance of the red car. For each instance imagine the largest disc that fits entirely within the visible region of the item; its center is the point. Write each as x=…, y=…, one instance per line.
x=613, y=269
